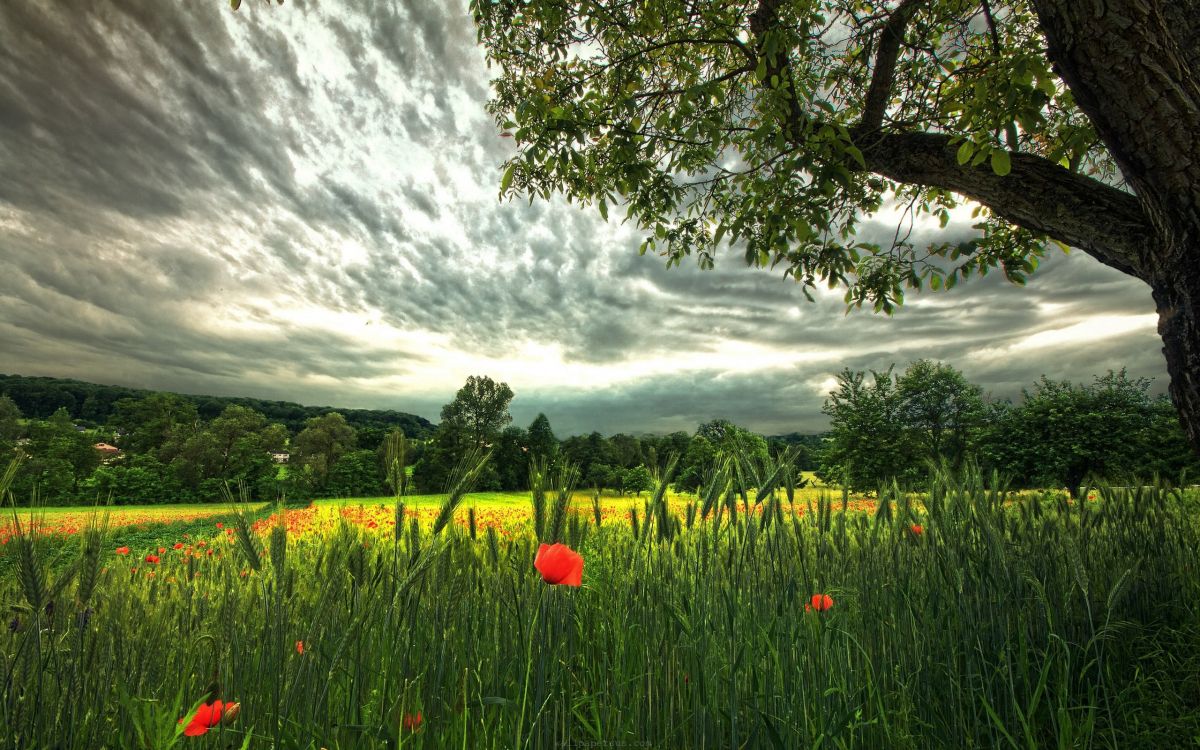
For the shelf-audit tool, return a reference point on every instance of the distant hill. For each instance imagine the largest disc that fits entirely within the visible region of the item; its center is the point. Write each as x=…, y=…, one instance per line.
x=92, y=403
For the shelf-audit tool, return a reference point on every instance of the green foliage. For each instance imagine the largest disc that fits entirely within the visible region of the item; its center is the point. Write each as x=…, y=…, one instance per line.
x=541, y=438
x=511, y=458
x=939, y=410
x=58, y=459
x=94, y=404
x=148, y=424
x=1063, y=433
x=899, y=427
x=637, y=480
x=747, y=124
x=472, y=421
x=235, y=446
x=10, y=423
x=320, y=444
x=139, y=480
x=357, y=474
x=868, y=444
x=478, y=412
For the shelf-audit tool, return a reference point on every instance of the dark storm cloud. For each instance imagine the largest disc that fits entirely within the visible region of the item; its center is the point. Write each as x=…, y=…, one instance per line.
x=300, y=202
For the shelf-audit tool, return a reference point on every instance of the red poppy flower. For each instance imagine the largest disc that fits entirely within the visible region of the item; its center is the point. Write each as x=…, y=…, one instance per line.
x=220, y=525
x=918, y=529
x=559, y=564
x=152, y=558
x=178, y=545
x=299, y=647
x=820, y=602
x=412, y=722
x=162, y=550
x=122, y=550
x=209, y=715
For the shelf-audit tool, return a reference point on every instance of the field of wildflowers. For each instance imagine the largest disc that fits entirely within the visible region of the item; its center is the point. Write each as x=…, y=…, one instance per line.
x=972, y=618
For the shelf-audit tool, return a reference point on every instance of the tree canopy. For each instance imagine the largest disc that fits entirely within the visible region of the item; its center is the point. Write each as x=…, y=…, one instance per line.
x=776, y=126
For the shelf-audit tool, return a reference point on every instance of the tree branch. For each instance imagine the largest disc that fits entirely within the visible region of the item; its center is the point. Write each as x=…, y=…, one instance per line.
x=1039, y=195
x=891, y=38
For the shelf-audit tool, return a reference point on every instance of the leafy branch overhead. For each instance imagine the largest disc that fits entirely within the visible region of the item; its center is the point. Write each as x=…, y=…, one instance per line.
x=778, y=127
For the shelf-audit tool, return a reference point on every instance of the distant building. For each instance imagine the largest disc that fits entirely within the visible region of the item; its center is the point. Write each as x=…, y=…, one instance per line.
x=106, y=450
x=280, y=457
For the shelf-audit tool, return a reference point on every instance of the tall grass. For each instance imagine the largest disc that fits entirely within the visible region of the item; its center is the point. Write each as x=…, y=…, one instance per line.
x=1002, y=623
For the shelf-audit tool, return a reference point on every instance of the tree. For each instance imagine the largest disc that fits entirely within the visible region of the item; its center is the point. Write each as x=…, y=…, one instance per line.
x=235, y=446
x=479, y=411
x=695, y=462
x=511, y=457
x=10, y=421
x=541, y=439
x=1062, y=434
x=939, y=408
x=472, y=420
x=149, y=423
x=867, y=442
x=626, y=450
x=59, y=459
x=357, y=473
x=637, y=480
x=586, y=451
x=319, y=445
x=778, y=126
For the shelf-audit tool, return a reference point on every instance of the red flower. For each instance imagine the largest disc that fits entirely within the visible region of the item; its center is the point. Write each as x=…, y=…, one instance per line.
x=412, y=722
x=209, y=715
x=299, y=647
x=918, y=529
x=152, y=558
x=559, y=564
x=220, y=525
x=820, y=602
x=162, y=550
x=122, y=550
x=178, y=545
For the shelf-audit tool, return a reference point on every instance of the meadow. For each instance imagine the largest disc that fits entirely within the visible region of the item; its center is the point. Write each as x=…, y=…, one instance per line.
x=961, y=617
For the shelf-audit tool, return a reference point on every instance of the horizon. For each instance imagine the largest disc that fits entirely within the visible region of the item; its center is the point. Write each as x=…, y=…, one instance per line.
x=302, y=206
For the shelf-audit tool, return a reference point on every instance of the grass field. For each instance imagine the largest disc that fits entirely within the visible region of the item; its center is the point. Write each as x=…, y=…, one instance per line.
x=968, y=619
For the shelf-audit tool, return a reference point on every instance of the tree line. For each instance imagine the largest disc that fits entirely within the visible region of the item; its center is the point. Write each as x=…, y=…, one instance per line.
x=166, y=452
x=94, y=405
x=884, y=426
x=897, y=426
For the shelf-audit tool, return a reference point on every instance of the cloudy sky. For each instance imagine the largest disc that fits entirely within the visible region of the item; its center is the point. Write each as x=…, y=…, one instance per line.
x=300, y=202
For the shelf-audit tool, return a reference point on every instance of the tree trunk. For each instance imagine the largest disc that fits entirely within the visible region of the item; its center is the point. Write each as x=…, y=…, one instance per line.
x=1178, y=298
x=1131, y=68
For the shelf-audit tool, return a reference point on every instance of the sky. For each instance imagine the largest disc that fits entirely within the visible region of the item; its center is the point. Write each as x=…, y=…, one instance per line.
x=301, y=202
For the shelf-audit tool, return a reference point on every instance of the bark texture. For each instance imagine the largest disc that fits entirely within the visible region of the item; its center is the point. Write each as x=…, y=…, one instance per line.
x=1133, y=67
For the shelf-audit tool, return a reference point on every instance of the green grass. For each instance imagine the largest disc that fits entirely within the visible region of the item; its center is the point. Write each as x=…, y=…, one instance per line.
x=1019, y=624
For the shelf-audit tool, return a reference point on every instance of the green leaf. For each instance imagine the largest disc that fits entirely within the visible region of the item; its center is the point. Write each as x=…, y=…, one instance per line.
x=603, y=210
x=1001, y=162
x=857, y=155
x=964, y=152
x=507, y=179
